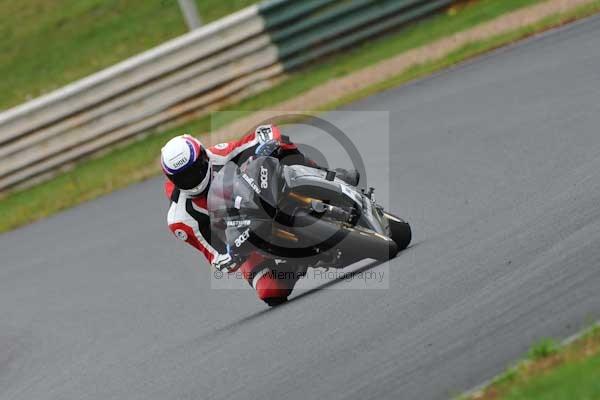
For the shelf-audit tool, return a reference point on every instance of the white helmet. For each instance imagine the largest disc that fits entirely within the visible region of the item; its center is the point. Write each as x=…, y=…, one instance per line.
x=185, y=162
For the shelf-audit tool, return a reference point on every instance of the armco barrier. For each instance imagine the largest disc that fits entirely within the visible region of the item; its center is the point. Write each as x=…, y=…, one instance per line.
x=189, y=74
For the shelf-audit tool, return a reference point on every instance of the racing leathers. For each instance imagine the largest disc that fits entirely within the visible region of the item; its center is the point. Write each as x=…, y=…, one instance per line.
x=188, y=217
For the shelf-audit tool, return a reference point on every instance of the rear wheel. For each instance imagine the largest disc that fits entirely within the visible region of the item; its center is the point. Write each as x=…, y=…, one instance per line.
x=400, y=230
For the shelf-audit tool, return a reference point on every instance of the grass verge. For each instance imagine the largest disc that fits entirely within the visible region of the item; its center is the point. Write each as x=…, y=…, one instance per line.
x=138, y=161
x=551, y=372
x=47, y=44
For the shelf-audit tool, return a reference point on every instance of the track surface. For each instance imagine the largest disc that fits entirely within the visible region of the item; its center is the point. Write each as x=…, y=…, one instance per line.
x=496, y=164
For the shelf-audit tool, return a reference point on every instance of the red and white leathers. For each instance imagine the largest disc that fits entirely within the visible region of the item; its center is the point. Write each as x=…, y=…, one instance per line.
x=188, y=216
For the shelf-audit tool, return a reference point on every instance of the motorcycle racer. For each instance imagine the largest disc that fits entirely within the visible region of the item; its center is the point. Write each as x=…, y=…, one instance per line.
x=189, y=167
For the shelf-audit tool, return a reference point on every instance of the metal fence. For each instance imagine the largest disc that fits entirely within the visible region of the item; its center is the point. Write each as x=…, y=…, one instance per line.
x=187, y=75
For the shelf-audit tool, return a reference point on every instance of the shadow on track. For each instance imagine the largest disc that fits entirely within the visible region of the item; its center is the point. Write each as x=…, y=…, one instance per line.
x=233, y=326
x=349, y=275
x=335, y=281
x=344, y=277
x=341, y=278
x=226, y=330
x=259, y=314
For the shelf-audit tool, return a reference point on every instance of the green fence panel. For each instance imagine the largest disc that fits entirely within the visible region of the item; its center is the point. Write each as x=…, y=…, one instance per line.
x=278, y=12
x=304, y=30
x=360, y=35
x=351, y=22
x=321, y=19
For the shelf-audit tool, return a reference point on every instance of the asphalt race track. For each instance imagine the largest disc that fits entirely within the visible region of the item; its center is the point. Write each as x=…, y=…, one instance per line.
x=496, y=164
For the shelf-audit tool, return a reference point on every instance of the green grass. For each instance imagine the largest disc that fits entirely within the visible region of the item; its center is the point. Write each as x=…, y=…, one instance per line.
x=45, y=44
x=134, y=162
x=551, y=372
x=580, y=380
x=542, y=349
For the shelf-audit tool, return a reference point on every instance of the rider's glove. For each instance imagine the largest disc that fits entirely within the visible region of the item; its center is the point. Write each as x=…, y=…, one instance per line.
x=225, y=263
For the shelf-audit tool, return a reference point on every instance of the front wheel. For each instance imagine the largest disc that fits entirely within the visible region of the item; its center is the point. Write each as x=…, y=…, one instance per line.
x=400, y=231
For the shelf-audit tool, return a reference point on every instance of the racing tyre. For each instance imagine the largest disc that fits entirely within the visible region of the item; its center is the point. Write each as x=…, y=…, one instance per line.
x=400, y=229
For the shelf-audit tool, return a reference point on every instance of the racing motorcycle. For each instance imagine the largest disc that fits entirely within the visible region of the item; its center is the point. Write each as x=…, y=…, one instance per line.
x=300, y=217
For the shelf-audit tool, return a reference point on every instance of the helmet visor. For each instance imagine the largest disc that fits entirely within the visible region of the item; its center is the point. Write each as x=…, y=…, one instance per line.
x=193, y=175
